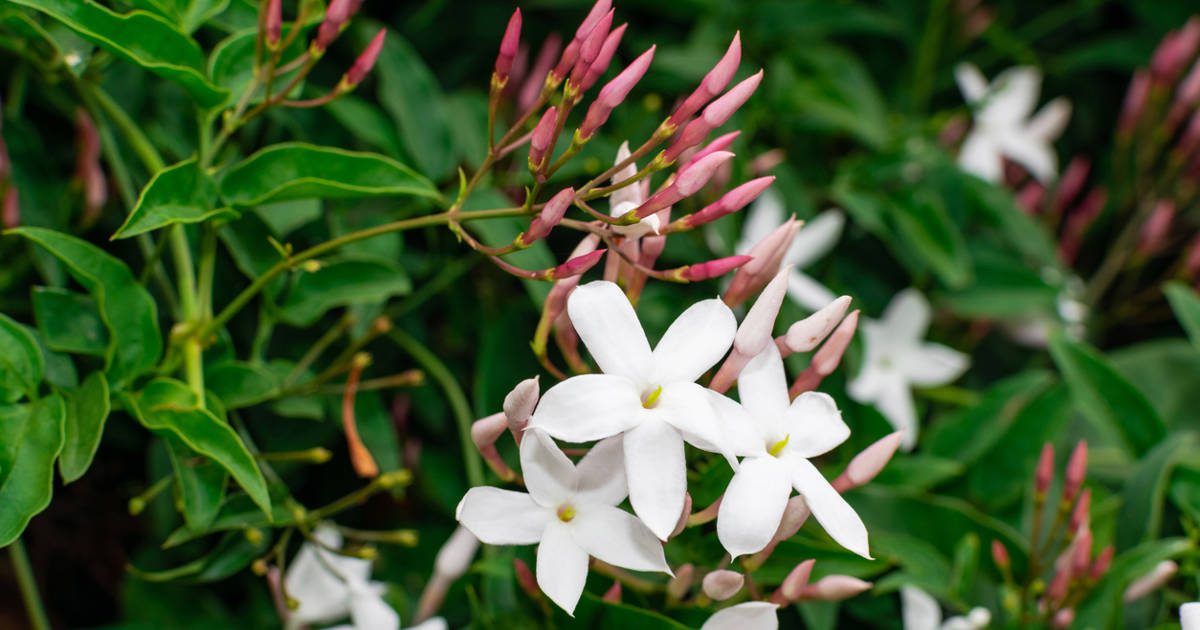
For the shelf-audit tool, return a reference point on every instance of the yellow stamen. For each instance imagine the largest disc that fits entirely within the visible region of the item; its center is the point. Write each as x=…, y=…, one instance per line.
x=566, y=513
x=777, y=447
x=652, y=399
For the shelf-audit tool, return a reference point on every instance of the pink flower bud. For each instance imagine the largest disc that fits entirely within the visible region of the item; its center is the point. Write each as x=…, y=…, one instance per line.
x=484, y=433
x=589, y=48
x=508, y=47
x=1151, y=581
x=336, y=15
x=519, y=405
x=603, y=59
x=826, y=360
x=714, y=116
x=1058, y=586
x=1031, y=196
x=869, y=463
x=454, y=558
x=87, y=166
x=766, y=256
x=1076, y=471
x=552, y=212
x=595, y=14
x=542, y=139
x=1000, y=555
x=792, y=587
x=1191, y=259
x=571, y=53
x=809, y=332
x=1186, y=96
x=681, y=524
x=274, y=22
x=1044, y=473
x=614, y=92
x=1081, y=559
x=687, y=182
x=720, y=143
x=711, y=268
x=712, y=83
x=576, y=266
x=1064, y=618
x=1079, y=221
x=366, y=60
x=1079, y=516
x=729, y=203
x=722, y=584
x=613, y=594
x=679, y=585
x=536, y=80
x=1176, y=50
x=794, y=516
x=1135, y=103
x=1101, y=563
x=835, y=588
x=11, y=213
x=1070, y=184
x=756, y=329
x=526, y=580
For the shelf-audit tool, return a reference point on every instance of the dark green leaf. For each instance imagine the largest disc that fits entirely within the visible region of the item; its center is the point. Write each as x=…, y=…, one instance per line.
x=240, y=384
x=922, y=221
x=31, y=436
x=1166, y=370
x=1140, y=518
x=411, y=95
x=69, y=321
x=1101, y=608
x=21, y=363
x=970, y=433
x=234, y=552
x=239, y=512
x=86, y=412
x=200, y=483
x=296, y=170
x=182, y=193
x=338, y=284
x=231, y=64
x=1186, y=305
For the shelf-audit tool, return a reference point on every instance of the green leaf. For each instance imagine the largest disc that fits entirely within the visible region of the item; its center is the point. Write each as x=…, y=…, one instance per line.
x=922, y=221
x=239, y=384
x=1105, y=397
x=168, y=406
x=31, y=437
x=21, y=362
x=86, y=411
x=970, y=433
x=182, y=193
x=1101, y=608
x=69, y=321
x=1186, y=305
x=410, y=93
x=367, y=123
x=231, y=64
x=296, y=170
x=1166, y=371
x=1140, y=518
x=602, y=615
x=200, y=483
x=239, y=512
x=127, y=309
x=234, y=552
x=140, y=38
x=188, y=14
x=500, y=232
x=338, y=284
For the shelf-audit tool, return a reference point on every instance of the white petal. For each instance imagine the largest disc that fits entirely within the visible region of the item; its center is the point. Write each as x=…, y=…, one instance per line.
x=602, y=474
x=609, y=327
x=747, y=616
x=549, y=476
x=980, y=156
x=629, y=194
x=807, y=292
x=562, y=567
x=436, y=623
x=696, y=340
x=368, y=611
x=814, y=425
x=618, y=538
x=763, y=216
x=656, y=470
x=741, y=434
x=934, y=364
x=688, y=408
x=919, y=609
x=1034, y=154
x=894, y=400
x=1189, y=616
x=1013, y=95
x=753, y=505
x=971, y=82
x=502, y=517
x=907, y=316
x=588, y=407
x=763, y=390
x=829, y=508
x=322, y=596
x=816, y=237
x=1048, y=124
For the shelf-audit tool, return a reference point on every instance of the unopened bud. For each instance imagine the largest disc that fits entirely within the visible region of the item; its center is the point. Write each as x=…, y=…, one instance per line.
x=712, y=83
x=542, y=64
x=720, y=143
x=755, y=331
x=1064, y=618
x=613, y=594
x=766, y=256
x=484, y=433
x=552, y=212
x=589, y=49
x=1079, y=516
x=679, y=585
x=867, y=464
x=456, y=554
x=723, y=584
x=519, y=405
x=603, y=59
x=683, y=516
x=729, y=203
x=794, y=517
x=509, y=45
x=792, y=587
x=274, y=22
x=613, y=94
x=1031, y=196
x=525, y=579
x=1134, y=104
x=1059, y=585
x=687, y=182
x=337, y=15
x=542, y=139
x=809, y=332
x=1081, y=559
x=1101, y=564
x=576, y=266
x=1151, y=581
x=366, y=60
x=1044, y=473
x=1071, y=183
x=835, y=588
x=1000, y=555
x=1176, y=50
x=716, y=114
x=710, y=269
x=826, y=360
x=1076, y=471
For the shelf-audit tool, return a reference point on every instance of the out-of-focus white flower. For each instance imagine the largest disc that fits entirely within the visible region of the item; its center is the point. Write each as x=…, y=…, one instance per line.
x=650, y=397
x=1005, y=125
x=813, y=241
x=747, y=616
x=897, y=358
x=630, y=197
x=1189, y=616
x=570, y=512
x=786, y=434
x=921, y=612
x=330, y=587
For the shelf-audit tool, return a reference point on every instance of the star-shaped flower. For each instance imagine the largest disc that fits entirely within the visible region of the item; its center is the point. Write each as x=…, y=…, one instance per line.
x=813, y=241
x=921, y=612
x=786, y=434
x=897, y=358
x=1004, y=126
x=746, y=616
x=570, y=513
x=649, y=396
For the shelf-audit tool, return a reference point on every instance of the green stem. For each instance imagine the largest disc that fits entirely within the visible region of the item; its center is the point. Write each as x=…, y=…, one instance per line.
x=927, y=54
x=132, y=132
x=185, y=276
x=454, y=395
x=28, y=585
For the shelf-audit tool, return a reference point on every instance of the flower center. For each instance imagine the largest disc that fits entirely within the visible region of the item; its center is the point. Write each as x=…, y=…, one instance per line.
x=650, y=401
x=885, y=363
x=566, y=512
x=777, y=448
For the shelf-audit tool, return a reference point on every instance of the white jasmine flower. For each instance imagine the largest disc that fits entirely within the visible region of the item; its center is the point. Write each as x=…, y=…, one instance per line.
x=814, y=240
x=629, y=198
x=921, y=612
x=1189, y=616
x=649, y=396
x=330, y=587
x=747, y=616
x=570, y=513
x=897, y=358
x=788, y=434
x=1004, y=126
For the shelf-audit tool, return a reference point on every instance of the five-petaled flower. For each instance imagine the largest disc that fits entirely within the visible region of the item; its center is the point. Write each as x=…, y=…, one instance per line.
x=570, y=512
x=650, y=397
x=783, y=435
x=897, y=358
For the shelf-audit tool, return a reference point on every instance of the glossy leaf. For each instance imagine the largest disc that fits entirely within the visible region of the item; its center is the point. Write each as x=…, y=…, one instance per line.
x=296, y=170
x=238, y=512
x=166, y=405
x=1166, y=370
x=140, y=38
x=199, y=482
x=240, y=384
x=1105, y=397
x=922, y=221
x=188, y=14
x=1140, y=518
x=339, y=284
x=31, y=437
x=126, y=308
x=69, y=321
x=182, y=193
x=1101, y=608
x=970, y=433
x=86, y=412
x=21, y=363
x=410, y=93
x=1186, y=304
x=231, y=64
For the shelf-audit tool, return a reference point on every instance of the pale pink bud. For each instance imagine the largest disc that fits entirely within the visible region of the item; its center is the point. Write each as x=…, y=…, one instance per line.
x=766, y=257
x=687, y=182
x=723, y=584
x=1000, y=555
x=1071, y=183
x=556, y=301
x=729, y=203
x=484, y=433
x=1176, y=50
x=1082, y=558
x=1151, y=581
x=552, y=212
x=1064, y=618
x=542, y=64
x=571, y=53
x=767, y=160
x=835, y=588
x=712, y=83
x=1101, y=564
x=595, y=14
x=715, y=115
x=867, y=464
x=826, y=360
x=519, y=405
x=1076, y=471
x=576, y=266
x=366, y=60
x=679, y=585
x=681, y=524
x=1190, y=139
x=1044, y=473
x=590, y=47
x=720, y=143
x=87, y=166
x=613, y=594
x=792, y=587
x=454, y=558
x=711, y=268
x=1135, y=103
x=542, y=139
x=756, y=329
x=274, y=22
x=1058, y=585
x=1186, y=96
x=809, y=332
x=508, y=47
x=1079, y=516
x=336, y=15
x=603, y=59
x=794, y=516
x=614, y=92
